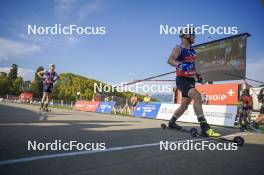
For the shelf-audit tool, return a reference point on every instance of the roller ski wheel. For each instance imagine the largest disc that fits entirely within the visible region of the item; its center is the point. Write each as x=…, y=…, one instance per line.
x=163, y=126
x=194, y=132
x=239, y=140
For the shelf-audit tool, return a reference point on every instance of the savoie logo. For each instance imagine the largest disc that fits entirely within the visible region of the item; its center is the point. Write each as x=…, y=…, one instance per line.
x=217, y=97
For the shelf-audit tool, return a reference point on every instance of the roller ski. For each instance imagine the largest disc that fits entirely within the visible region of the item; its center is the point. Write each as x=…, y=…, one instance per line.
x=213, y=135
x=44, y=108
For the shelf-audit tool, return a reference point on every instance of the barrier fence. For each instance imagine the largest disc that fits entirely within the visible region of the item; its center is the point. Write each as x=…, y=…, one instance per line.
x=223, y=115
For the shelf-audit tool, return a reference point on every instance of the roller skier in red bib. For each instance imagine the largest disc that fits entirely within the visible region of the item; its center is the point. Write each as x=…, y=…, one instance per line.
x=183, y=58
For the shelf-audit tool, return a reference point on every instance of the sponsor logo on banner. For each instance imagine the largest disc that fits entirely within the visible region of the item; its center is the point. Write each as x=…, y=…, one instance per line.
x=166, y=111
x=217, y=94
x=223, y=115
x=105, y=107
x=88, y=106
x=149, y=110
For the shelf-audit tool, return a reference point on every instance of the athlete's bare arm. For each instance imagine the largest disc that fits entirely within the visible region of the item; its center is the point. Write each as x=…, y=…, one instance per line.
x=173, y=57
x=40, y=73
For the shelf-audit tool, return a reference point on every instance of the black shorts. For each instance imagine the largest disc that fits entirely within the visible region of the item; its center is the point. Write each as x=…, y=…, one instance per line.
x=184, y=84
x=134, y=104
x=246, y=108
x=47, y=88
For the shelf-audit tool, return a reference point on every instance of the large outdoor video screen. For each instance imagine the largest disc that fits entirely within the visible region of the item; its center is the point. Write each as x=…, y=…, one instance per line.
x=223, y=59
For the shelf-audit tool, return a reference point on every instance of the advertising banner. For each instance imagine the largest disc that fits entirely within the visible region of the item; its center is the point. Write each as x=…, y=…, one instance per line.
x=105, y=107
x=217, y=94
x=148, y=110
x=223, y=115
x=87, y=106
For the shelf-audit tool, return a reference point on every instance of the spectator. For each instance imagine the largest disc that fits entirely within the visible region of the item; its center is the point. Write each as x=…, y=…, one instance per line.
x=260, y=118
x=106, y=99
x=246, y=100
x=134, y=101
x=147, y=99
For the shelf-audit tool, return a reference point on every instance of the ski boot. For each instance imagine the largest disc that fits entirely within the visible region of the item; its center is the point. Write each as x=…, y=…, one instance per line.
x=211, y=133
x=173, y=125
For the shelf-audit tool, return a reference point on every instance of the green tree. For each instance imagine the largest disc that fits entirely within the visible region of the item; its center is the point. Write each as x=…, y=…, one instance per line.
x=69, y=84
x=3, y=74
x=17, y=86
x=36, y=86
x=15, y=82
x=12, y=75
x=4, y=85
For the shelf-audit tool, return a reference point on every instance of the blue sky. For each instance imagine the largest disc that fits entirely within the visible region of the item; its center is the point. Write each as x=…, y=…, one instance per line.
x=132, y=47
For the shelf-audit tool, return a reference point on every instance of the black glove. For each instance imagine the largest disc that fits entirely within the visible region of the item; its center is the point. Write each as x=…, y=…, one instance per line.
x=199, y=78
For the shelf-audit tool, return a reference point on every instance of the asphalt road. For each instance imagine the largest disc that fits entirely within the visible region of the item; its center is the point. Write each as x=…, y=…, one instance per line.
x=131, y=146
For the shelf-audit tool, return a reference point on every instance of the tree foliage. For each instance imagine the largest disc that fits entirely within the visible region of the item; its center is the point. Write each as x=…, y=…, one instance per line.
x=36, y=86
x=4, y=85
x=10, y=83
x=65, y=88
x=17, y=86
x=69, y=84
x=12, y=75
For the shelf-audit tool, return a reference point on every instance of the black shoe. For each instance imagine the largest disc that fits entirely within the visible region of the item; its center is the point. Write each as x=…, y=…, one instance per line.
x=254, y=125
x=243, y=128
x=41, y=106
x=173, y=125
